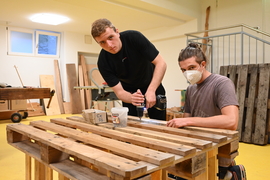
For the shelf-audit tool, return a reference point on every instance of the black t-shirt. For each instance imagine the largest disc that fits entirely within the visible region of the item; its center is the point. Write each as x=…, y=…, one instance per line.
x=131, y=65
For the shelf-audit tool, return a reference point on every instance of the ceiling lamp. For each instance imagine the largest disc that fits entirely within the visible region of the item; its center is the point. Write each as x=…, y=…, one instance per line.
x=47, y=18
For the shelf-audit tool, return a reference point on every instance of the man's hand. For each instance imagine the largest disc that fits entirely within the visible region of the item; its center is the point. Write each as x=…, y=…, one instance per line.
x=137, y=98
x=177, y=122
x=150, y=99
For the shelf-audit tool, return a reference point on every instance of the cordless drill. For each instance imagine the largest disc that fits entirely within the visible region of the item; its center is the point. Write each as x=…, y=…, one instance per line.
x=140, y=110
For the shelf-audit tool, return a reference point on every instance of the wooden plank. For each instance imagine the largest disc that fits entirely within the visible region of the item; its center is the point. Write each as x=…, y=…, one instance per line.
x=241, y=94
x=39, y=171
x=141, y=153
x=58, y=86
x=130, y=138
x=76, y=105
x=48, y=81
x=223, y=71
x=181, y=132
x=228, y=133
x=261, y=133
x=24, y=93
x=248, y=125
x=67, y=107
x=28, y=167
x=232, y=70
x=119, y=165
x=81, y=83
x=86, y=82
x=223, y=132
x=200, y=144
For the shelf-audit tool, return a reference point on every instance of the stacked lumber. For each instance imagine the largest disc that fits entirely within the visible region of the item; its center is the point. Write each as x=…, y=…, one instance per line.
x=252, y=83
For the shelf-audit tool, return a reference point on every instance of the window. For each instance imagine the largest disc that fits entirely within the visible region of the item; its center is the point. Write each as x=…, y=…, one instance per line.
x=21, y=42
x=33, y=42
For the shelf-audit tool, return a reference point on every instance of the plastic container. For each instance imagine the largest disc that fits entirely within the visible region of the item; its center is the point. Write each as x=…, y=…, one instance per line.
x=119, y=116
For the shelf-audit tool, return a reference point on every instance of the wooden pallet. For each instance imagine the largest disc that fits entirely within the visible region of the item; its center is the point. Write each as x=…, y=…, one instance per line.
x=252, y=83
x=142, y=151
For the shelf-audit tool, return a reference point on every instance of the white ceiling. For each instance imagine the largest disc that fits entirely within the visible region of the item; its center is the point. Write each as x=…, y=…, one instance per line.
x=125, y=14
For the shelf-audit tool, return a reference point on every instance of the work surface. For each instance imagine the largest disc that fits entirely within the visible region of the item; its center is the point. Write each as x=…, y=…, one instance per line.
x=140, y=149
x=24, y=93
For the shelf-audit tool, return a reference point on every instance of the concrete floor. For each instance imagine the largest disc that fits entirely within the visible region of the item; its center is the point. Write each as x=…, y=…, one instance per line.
x=255, y=158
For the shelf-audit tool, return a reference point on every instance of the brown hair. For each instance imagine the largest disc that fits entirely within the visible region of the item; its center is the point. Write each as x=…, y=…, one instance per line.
x=99, y=27
x=192, y=50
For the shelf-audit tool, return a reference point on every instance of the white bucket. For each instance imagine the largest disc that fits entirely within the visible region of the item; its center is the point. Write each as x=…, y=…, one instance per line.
x=119, y=116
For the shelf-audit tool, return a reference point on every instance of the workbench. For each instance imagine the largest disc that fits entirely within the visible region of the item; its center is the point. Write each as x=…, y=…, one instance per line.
x=22, y=93
x=143, y=150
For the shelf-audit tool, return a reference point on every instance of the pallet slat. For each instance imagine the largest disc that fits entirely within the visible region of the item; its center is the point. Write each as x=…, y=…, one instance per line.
x=241, y=94
x=247, y=134
x=260, y=134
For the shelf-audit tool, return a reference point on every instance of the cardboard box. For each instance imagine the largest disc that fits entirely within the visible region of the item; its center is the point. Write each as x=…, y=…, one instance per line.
x=94, y=116
x=3, y=105
x=18, y=104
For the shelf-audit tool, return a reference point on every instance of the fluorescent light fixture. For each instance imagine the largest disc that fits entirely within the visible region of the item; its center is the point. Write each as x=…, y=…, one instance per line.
x=47, y=18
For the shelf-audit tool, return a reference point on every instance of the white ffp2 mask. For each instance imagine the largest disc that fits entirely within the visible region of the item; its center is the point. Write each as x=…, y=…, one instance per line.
x=193, y=76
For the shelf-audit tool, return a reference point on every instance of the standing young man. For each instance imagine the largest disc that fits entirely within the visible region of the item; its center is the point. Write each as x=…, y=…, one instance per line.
x=210, y=102
x=132, y=66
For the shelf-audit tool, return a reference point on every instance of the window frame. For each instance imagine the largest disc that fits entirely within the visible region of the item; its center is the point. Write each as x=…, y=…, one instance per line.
x=58, y=35
x=35, y=42
x=9, y=30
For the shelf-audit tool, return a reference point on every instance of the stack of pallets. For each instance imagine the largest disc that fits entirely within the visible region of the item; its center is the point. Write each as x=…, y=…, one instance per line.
x=252, y=84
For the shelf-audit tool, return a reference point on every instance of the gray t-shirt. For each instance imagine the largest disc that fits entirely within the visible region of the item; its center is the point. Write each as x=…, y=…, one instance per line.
x=209, y=97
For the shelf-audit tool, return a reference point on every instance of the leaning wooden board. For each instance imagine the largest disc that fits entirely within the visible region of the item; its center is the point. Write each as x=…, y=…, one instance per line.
x=139, y=151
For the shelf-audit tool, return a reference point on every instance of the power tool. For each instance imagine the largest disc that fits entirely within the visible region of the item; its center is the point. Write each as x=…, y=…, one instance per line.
x=140, y=110
x=161, y=104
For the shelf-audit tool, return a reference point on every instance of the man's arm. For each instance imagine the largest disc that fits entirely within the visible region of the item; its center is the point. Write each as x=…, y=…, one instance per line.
x=136, y=98
x=160, y=68
x=227, y=120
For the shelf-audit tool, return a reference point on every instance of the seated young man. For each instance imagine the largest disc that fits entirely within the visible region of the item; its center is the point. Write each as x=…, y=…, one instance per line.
x=210, y=102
